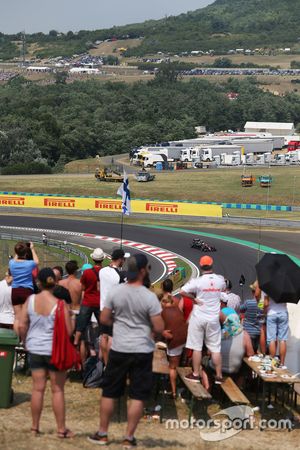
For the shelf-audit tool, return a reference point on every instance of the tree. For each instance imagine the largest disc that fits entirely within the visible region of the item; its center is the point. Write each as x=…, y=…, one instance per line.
x=53, y=33
x=167, y=73
x=61, y=77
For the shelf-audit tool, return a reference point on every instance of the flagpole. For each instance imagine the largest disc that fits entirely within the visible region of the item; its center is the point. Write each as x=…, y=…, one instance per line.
x=122, y=222
x=124, y=192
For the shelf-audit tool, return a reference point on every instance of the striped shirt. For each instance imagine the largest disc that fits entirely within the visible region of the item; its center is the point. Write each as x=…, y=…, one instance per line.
x=253, y=315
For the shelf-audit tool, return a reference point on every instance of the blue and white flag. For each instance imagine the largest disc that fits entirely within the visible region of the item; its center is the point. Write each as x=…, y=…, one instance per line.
x=124, y=192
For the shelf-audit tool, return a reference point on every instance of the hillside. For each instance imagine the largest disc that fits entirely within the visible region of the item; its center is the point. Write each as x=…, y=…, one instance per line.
x=224, y=25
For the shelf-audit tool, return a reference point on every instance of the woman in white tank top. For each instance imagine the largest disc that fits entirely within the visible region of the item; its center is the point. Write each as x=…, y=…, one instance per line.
x=36, y=330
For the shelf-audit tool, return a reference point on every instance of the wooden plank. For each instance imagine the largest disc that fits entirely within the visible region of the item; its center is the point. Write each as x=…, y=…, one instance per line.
x=233, y=392
x=160, y=362
x=196, y=389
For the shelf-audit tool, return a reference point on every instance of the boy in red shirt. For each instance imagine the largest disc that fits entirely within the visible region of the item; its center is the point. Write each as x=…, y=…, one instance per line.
x=91, y=295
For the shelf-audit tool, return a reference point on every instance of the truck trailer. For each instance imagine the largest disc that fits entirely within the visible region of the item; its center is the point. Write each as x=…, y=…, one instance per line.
x=209, y=153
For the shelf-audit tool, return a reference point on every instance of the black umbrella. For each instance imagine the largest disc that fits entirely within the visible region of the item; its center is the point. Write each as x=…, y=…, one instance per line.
x=279, y=277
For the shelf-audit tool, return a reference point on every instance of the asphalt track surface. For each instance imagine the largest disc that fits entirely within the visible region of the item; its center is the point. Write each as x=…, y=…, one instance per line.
x=231, y=260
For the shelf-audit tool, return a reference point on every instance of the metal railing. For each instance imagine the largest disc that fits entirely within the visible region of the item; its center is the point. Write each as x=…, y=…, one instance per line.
x=64, y=246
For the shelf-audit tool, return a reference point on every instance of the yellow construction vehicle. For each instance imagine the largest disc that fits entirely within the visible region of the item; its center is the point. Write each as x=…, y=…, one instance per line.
x=108, y=174
x=247, y=180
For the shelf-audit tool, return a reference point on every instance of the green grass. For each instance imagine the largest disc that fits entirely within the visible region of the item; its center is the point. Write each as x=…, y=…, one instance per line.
x=223, y=185
x=48, y=256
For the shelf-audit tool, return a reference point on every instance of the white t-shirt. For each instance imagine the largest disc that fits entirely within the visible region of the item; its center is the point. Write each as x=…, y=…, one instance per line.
x=232, y=300
x=207, y=290
x=109, y=278
x=7, y=315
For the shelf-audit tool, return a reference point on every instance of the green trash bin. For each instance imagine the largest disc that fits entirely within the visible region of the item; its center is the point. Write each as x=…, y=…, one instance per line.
x=8, y=342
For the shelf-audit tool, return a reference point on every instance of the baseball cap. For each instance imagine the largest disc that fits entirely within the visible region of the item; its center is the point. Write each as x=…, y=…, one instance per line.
x=206, y=261
x=118, y=253
x=98, y=254
x=86, y=266
x=224, y=299
x=134, y=264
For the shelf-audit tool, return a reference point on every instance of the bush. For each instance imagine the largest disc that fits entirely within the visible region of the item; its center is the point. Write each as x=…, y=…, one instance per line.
x=26, y=169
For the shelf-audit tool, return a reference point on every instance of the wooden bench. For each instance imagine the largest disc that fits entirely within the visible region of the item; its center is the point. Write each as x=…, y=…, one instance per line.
x=160, y=368
x=233, y=392
x=160, y=362
x=196, y=390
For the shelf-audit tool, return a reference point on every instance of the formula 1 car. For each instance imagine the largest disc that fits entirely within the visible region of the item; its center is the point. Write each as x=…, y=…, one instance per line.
x=203, y=246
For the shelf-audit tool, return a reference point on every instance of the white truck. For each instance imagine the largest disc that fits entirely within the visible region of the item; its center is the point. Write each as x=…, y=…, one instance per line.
x=197, y=154
x=226, y=159
x=250, y=159
x=295, y=157
x=260, y=159
x=209, y=153
x=173, y=153
x=186, y=154
x=237, y=158
x=151, y=159
x=280, y=159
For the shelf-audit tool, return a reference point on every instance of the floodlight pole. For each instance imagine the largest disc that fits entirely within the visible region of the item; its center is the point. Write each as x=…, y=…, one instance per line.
x=259, y=240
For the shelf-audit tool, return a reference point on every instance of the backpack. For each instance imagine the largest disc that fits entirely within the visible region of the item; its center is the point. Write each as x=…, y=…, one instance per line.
x=93, y=372
x=122, y=274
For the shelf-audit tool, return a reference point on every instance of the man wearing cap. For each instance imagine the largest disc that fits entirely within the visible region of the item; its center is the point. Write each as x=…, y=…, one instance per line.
x=230, y=298
x=91, y=296
x=204, y=323
x=137, y=314
x=110, y=276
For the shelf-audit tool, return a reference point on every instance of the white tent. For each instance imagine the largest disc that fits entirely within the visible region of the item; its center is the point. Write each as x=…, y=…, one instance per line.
x=275, y=128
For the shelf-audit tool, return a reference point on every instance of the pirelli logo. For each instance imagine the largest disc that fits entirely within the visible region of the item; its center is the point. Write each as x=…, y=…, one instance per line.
x=12, y=201
x=166, y=208
x=108, y=205
x=59, y=202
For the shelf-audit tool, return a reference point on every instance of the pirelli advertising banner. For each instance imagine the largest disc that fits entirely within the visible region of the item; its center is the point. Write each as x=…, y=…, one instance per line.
x=109, y=205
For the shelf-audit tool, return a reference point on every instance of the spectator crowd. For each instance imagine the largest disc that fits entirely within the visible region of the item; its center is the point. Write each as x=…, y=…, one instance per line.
x=115, y=316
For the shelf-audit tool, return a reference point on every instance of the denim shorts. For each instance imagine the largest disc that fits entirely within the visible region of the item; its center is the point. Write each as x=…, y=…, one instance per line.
x=277, y=327
x=85, y=315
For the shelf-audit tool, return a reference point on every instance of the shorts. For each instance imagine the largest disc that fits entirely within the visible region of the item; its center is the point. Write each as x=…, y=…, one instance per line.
x=85, y=315
x=277, y=327
x=177, y=351
x=91, y=335
x=106, y=329
x=202, y=331
x=20, y=295
x=136, y=366
x=38, y=362
x=255, y=340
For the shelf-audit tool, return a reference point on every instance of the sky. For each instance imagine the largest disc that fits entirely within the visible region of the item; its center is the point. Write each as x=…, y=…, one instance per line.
x=64, y=15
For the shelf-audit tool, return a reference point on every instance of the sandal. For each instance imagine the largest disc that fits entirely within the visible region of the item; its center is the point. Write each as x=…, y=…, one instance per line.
x=67, y=434
x=35, y=431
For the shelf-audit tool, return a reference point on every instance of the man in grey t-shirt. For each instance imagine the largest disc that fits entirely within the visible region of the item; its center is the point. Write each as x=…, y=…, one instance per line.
x=136, y=316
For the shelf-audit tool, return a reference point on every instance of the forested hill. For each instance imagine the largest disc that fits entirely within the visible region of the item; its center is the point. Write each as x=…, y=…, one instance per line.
x=224, y=25
x=228, y=24
x=50, y=125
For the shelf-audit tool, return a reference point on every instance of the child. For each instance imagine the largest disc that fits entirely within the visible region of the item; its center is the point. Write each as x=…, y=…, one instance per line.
x=253, y=317
x=175, y=331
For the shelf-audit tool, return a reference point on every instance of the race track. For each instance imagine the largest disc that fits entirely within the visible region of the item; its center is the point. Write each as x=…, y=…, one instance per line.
x=231, y=260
